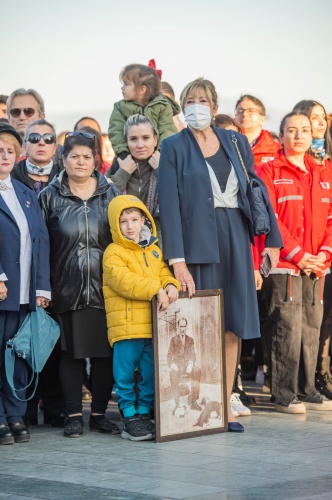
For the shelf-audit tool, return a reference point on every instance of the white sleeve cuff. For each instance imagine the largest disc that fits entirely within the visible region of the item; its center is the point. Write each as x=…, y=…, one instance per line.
x=175, y=261
x=3, y=277
x=43, y=293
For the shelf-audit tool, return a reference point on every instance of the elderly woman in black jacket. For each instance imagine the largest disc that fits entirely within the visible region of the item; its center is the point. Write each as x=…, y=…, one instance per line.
x=75, y=206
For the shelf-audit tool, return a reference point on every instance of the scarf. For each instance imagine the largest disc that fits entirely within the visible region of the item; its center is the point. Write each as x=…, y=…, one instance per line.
x=318, y=146
x=33, y=169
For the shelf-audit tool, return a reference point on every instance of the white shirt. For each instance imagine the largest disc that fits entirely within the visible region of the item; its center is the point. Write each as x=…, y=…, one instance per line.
x=11, y=200
x=228, y=199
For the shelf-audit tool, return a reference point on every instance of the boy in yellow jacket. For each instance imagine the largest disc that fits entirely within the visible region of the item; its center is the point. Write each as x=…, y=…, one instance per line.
x=133, y=273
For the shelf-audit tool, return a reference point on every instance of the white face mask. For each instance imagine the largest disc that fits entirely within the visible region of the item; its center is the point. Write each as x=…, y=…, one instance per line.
x=198, y=116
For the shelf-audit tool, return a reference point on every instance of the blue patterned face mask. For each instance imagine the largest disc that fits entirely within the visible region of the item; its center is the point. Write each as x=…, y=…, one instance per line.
x=318, y=146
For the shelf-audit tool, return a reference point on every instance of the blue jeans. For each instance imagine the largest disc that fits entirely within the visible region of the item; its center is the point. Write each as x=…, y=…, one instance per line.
x=127, y=355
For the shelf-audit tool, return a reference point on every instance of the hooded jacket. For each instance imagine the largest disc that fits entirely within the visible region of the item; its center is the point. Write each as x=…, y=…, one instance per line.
x=132, y=274
x=283, y=181
x=160, y=110
x=79, y=233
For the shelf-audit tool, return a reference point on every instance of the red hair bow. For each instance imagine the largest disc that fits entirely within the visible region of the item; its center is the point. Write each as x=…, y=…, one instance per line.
x=152, y=64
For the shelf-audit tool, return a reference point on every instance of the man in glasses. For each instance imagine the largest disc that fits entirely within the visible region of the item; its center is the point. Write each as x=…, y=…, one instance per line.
x=250, y=115
x=24, y=106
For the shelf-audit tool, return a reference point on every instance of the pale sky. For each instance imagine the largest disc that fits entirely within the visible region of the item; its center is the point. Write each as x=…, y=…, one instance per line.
x=72, y=51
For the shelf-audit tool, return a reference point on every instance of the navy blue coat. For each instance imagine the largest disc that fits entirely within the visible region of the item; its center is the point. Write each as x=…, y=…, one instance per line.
x=10, y=249
x=187, y=213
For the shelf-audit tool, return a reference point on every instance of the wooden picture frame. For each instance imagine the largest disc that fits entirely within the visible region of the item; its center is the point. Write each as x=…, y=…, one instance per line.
x=190, y=394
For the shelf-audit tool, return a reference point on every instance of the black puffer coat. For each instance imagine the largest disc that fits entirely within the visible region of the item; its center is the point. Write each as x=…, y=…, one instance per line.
x=79, y=233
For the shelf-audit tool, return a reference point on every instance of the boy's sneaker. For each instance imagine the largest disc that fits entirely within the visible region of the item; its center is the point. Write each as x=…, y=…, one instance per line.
x=237, y=407
x=149, y=425
x=135, y=430
x=295, y=406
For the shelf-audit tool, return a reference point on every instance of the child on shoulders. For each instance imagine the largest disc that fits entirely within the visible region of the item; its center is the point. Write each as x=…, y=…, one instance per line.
x=141, y=88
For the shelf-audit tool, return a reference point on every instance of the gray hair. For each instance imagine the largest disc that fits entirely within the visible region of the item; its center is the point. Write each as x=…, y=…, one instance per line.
x=41, y=121
x=138, y=120
x=31, y=92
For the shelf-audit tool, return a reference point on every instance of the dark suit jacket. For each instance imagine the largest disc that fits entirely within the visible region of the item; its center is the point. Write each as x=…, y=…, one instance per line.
x=187, y=213
x=181, y=354
x=10, y=249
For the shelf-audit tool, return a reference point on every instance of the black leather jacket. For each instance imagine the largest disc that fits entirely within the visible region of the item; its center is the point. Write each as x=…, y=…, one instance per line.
x=79, y=233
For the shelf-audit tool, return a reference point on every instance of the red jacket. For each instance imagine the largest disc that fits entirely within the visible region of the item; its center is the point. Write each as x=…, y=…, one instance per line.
x=286, y=191
x=265, y=149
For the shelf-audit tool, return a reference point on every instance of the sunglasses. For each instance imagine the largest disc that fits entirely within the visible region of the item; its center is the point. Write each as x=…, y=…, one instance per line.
x=85, y=134
x=15, y=112
x=34, y=138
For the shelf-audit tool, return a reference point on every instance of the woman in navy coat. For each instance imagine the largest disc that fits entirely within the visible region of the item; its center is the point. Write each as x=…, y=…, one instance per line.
x=206, y=220
x=24, y=277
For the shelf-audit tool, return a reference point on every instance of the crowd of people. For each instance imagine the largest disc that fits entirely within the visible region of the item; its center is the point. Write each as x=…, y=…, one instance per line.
x=93, y=226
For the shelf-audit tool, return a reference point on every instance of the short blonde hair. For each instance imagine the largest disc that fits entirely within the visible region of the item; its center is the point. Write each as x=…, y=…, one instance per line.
x=10, y=139
x=194, y=86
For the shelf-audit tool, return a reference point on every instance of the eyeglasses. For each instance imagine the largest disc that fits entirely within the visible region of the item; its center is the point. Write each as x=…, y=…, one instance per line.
x=15, y=112
x=34, y=138
x=250, y=111
x=85, y=134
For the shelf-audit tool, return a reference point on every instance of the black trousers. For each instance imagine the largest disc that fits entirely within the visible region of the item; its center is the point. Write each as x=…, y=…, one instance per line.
x=71, y=376
x=291, y=330
x=49, y=388
x=175, y=380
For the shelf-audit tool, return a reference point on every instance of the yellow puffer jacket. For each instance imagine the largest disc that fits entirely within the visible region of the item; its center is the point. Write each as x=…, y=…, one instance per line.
x=132, y=275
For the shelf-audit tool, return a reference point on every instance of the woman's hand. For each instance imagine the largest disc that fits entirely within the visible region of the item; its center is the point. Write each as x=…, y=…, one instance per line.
x=182, y=274
x=42, y=302
x=312, y=263
x=128, y=164
x=163, y=301
x=172, y=293
x=258, y=280
x=154, y=160
x=274, y=254
x=3, y=291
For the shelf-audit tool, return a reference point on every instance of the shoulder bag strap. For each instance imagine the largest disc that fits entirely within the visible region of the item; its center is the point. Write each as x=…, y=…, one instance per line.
x=10, y=367
x=234, y=140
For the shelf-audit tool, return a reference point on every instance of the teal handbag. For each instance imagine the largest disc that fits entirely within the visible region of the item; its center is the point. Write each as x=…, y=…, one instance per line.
x=34, y=343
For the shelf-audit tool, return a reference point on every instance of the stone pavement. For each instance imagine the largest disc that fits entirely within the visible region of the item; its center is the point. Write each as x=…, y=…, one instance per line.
x=278, y=457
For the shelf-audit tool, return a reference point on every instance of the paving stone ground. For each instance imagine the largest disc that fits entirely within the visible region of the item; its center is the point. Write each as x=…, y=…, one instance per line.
x=278, y=457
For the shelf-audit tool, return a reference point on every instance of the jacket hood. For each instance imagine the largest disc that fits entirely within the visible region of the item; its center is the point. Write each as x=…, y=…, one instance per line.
x=175, y=106
x=115, y=208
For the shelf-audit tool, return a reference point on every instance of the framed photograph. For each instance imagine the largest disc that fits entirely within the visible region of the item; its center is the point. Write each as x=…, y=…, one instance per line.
x=189, y=362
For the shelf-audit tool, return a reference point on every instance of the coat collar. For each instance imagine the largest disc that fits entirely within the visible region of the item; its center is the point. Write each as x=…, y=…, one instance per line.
x=23, y=194
x=225, y=139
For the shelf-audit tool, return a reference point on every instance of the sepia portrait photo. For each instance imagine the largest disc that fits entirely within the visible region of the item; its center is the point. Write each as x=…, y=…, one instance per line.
x=189, y=367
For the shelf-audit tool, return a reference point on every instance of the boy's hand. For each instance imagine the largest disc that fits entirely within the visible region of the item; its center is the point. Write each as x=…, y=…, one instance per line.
x=172, y=293
x=163, y=301
x=128, y=164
